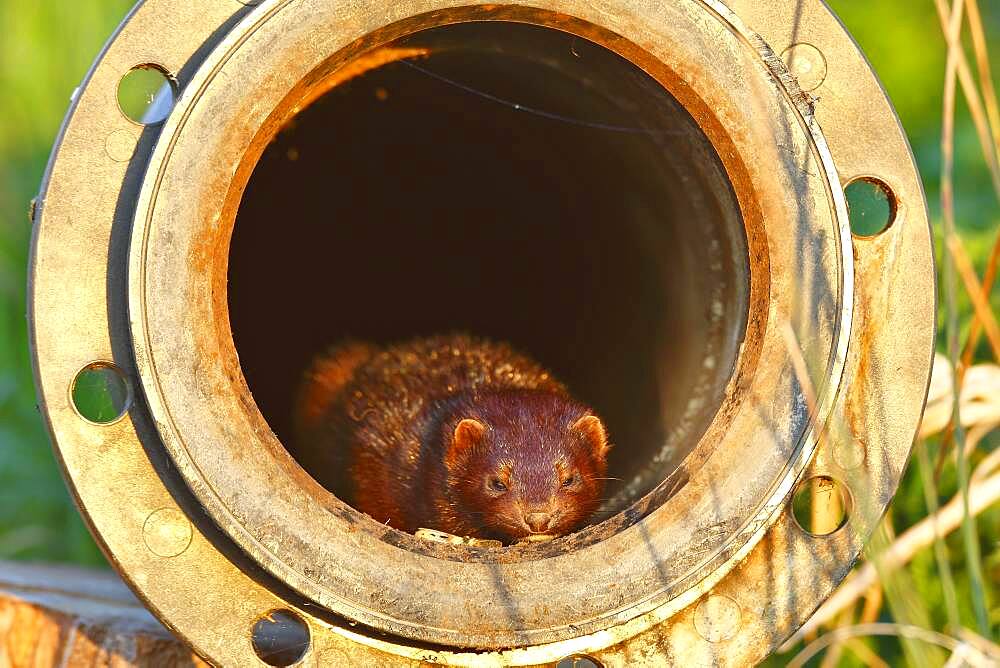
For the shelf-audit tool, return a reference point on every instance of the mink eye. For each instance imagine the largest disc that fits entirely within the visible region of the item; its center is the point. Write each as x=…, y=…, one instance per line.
x=570, y=480
x=497, y=485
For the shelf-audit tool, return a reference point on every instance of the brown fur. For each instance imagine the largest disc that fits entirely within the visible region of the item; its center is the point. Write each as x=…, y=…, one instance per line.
x=457, y=434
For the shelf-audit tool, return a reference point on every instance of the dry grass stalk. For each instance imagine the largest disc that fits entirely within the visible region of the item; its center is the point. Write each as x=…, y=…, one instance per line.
x=982, y=644
x=975, y=329
x=980, y=302
x=977, y=109
x=979, y=398
x=865, y=653
x=983, y=65
x=971, y=654
x=956, y=56
x=984, y=491
x=985, y=116
x=836, y=651
x=961, y=396
x=873, y=605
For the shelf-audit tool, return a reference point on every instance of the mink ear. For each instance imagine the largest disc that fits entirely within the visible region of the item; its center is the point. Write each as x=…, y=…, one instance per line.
x=593, y=430
x=468, y=434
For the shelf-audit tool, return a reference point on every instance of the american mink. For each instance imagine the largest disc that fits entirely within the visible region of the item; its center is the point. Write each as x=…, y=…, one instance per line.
x=453, y=433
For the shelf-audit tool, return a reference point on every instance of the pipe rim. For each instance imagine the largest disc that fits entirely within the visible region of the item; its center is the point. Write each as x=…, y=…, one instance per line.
x=319, y=560
x=191, y=592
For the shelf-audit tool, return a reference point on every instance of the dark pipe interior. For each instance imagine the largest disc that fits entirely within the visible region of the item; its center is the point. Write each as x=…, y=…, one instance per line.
x=518, y=183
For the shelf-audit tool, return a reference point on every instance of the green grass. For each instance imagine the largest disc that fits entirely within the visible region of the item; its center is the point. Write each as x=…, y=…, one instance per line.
x=44, y=53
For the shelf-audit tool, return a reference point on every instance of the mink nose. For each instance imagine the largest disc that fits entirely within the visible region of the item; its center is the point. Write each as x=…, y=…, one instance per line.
x=538, y=521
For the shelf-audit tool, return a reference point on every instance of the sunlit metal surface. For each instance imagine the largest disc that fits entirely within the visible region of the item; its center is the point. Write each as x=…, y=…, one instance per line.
x=214, y=524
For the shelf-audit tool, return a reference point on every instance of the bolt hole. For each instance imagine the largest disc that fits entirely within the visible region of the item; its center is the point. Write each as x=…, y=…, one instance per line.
x=146, y=94
x=820, y=506
x=578, y=661
x=280, y=638
x=871, y=206
x=100, y=393
x=807, y=64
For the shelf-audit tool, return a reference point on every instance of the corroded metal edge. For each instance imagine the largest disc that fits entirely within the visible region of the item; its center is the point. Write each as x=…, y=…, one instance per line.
x=885, y=260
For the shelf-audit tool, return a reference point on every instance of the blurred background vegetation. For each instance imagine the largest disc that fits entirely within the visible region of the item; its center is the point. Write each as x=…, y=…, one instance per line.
x=45, y=51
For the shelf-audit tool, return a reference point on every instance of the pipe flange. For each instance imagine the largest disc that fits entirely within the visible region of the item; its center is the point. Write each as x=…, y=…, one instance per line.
x=716, y=572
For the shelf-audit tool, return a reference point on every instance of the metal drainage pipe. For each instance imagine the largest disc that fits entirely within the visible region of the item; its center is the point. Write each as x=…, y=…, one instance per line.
x=649, y=199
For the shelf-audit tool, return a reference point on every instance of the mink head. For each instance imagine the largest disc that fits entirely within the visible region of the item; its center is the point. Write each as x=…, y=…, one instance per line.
x=525, y=462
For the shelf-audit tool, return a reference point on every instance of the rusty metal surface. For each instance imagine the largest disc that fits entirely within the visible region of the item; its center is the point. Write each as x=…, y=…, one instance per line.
x=210, y=521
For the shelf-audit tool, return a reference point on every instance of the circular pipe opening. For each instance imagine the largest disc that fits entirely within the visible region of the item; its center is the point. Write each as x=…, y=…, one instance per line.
x=517, y=183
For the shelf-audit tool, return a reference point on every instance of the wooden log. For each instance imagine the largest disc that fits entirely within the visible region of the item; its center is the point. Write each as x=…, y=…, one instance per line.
x=65, y=616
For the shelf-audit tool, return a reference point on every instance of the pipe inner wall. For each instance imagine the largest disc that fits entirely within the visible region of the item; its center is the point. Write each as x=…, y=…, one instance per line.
x=517, y=183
